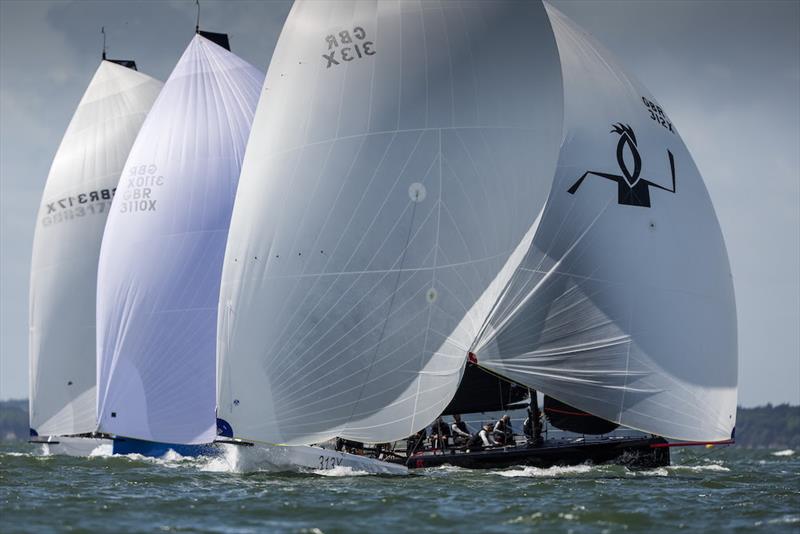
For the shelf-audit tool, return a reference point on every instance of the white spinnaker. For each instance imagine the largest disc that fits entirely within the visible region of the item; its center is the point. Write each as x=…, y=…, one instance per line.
x=66, y=245
x=382, y=192
x=622, y=310
x=161, y=259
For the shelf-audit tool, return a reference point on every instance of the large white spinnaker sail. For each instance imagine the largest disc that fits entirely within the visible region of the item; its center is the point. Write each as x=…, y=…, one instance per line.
x=161, y=259
x=624, y=305
x=66, y=245
x=400, y=153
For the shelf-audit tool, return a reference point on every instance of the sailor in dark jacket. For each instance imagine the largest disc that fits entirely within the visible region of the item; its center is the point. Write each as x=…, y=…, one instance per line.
x=440, y=433
x=416, y=442
x=459, y=430
x=503, y=433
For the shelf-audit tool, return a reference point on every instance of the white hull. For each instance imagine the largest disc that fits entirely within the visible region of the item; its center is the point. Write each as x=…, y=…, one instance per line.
x=301, y=458
x=72, y=446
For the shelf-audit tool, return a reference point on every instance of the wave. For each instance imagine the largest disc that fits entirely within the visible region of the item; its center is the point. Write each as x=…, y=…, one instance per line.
x=704, y=467
x=783, y=520
x=549, y=472
x=170, y=458
x=341, y=471
x=785, y=452
x=105, y=450
x=446, y=468
x=225, y=462
x=657, y=472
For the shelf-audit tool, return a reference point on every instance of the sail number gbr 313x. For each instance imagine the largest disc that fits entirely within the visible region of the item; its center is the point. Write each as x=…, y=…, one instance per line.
x=346, y=45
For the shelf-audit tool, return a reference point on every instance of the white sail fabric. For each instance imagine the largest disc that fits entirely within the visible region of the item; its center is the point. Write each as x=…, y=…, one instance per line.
x=66, y=245
x=400, y=153
x=162, y=252
x=624, y=305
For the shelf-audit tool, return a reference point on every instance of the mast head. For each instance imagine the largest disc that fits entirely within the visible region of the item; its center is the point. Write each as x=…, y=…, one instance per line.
x=128, y=63
x=220, y=39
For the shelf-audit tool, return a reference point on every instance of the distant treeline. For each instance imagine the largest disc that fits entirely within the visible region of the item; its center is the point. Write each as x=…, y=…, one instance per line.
x=776, y=427
x=773, y=427
x=13, y=420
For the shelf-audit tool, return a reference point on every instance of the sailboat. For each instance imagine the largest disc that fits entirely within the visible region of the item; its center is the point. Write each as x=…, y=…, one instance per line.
x=432, y=187
x=69, y=228
x=385, y=186
x=161, y=258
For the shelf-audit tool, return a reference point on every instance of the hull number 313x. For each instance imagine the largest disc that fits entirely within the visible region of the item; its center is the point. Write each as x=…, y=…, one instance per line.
x=329, y=462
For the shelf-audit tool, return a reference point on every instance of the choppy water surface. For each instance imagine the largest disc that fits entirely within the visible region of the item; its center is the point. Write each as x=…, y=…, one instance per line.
x=727, y=489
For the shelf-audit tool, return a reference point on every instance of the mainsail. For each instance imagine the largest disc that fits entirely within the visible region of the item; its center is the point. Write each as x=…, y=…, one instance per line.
x=161, y=258
x=624, y=305
x=69, y=229
x=400, y=154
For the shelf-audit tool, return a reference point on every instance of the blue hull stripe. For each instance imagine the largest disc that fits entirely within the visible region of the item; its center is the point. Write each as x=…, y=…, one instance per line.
x=155, y=449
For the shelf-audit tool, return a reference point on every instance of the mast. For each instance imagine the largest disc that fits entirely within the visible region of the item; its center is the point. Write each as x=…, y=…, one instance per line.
x=129, y=63
x=220, y=39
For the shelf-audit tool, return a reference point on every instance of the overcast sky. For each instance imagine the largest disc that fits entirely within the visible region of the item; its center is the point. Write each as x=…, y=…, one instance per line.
x=729, y=72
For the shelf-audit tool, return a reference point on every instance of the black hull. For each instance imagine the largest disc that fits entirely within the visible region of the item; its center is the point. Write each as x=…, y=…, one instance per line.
x=637, y=453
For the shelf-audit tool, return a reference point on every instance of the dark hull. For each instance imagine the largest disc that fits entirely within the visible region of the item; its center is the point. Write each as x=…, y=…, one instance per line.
x=631, y=452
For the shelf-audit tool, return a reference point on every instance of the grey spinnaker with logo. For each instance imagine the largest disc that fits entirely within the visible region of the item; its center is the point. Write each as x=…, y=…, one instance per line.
x=624, y=305
x=400, y=154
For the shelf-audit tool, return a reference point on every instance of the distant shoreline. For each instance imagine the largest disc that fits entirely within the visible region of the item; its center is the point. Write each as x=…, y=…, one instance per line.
x=761, y=427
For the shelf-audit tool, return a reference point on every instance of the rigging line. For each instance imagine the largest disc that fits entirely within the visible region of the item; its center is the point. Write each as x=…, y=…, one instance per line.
x=389, y=307
x=353, y=284
x=502, y=325
x=197, y=25
x=502, y=294
x=433, y=277
x=341, y=239
x=103, y=31
x=345, y=314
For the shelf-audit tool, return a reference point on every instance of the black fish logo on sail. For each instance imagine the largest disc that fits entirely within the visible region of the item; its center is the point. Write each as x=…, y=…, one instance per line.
x=633, y=190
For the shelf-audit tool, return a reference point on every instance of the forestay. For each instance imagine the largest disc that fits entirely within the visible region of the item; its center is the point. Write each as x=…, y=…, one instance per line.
x=66, y=245
x=400, y=154
x=162, y=252
x=624, y=305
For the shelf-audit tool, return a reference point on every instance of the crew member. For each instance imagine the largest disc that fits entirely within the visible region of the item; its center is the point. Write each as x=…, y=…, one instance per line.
x=503, y=433
x=482, y=439
x=416, y=442
x=440, y=434
x=459, y=430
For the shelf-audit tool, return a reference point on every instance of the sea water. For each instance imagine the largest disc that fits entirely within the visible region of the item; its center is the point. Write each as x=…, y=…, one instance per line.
x=707, y=490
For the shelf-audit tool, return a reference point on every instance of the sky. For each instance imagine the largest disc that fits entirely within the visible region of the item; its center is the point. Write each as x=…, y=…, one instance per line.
x=729, y=72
